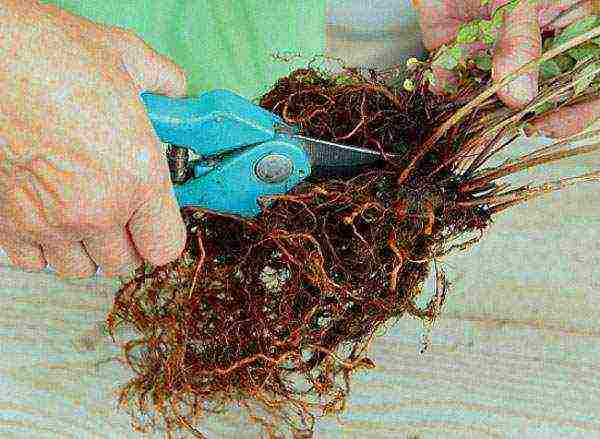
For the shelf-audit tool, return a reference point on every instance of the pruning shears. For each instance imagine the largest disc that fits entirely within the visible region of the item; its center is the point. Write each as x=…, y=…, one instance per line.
x=242, y=151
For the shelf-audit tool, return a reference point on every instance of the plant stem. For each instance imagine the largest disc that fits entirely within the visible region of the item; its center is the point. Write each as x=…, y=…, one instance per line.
x=504, y=201
x=512, y=168
x=460, y=114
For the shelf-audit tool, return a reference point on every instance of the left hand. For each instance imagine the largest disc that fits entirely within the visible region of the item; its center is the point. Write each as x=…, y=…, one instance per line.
x=518, y=43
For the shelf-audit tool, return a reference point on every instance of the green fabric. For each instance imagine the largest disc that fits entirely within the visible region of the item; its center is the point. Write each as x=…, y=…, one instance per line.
x=220, y=44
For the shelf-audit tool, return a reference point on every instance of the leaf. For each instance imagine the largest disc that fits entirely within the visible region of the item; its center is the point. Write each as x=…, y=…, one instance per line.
x=513, y=4
x=408, y=85
x=498, y=18
x=429, y=77
x=485, y=2
x=575, y=29
x=543, y=108
x=450, y=88
x=468, y=33
x=486, y=29
x=400, y=148
x=486, y=25
x=488, y=38
x=524, y=126
x=586, y=77
x=449, y=57
x=549, y=69
x=584, y=51
x=344, y=80
x=564, y=62
x=483, y=62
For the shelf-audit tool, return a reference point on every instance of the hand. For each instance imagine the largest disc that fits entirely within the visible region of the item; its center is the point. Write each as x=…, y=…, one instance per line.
x=518, y=43
x=83, y=181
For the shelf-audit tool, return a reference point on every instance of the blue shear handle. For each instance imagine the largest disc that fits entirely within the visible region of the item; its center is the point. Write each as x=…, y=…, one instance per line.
x=214, y=122
x=233, y=185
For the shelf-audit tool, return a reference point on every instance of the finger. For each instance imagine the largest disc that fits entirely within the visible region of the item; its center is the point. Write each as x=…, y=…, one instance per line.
x=157, y=229
x=23, y=254
x=520, y=42
x=558, y=14
x=113, y=252
x=68, y=258
x=439, y=21
x=149, y=70
x=566, y=121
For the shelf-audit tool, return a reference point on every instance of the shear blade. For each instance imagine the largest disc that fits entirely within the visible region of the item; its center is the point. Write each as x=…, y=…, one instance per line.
x=332, y=159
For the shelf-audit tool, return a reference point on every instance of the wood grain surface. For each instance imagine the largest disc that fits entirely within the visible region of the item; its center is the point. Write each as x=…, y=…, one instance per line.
x=516, y=353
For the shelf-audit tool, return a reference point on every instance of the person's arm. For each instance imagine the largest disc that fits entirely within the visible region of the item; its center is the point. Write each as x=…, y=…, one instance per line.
x=83, y=182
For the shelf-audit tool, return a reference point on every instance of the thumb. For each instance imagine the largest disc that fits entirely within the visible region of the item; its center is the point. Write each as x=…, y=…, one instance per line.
x=520, y=42
x=148, y=69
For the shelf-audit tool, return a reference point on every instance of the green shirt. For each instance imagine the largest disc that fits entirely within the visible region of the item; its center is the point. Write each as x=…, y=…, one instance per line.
x=220, y=44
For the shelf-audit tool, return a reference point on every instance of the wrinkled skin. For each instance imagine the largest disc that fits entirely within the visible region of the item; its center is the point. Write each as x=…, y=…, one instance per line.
x=518, y=43
x=83, y=182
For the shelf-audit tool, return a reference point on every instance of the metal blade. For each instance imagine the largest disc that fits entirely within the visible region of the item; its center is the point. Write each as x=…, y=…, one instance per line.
x=328, y=154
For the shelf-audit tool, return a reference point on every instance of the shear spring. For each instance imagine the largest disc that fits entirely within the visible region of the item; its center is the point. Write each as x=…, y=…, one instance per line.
x=178, y=159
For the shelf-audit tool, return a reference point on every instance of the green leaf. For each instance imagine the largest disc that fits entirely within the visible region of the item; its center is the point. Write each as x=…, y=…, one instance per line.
x=344, y=80
x=487, y=31
x=513, y=4
x=596, y=40
x=429, y=77
x=587, y=75
x=543, y=108
x=575, y=29
x=483, y=62
x=485, y=2
x=524, y=126
x=449, y=57
x=498, y=18
x=564, y=62
x=450, y=88
x=488, y=38
x=400, y=148
x=584, y=51
x=468, y=33
x=549, y=69
x=486, y=25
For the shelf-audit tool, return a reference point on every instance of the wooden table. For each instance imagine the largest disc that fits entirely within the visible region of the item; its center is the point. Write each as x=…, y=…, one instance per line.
x=516, y=353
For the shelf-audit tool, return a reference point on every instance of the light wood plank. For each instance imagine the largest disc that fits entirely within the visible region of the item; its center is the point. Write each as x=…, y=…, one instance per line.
x=514, y=355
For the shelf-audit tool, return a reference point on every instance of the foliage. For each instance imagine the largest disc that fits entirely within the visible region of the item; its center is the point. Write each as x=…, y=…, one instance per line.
x=456, y=57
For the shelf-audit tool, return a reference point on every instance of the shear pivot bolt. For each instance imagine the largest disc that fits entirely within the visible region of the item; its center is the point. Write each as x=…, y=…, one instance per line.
x=178, y=158
x=274, y=168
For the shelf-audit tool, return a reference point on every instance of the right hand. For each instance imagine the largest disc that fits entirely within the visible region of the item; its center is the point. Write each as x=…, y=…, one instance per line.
x=83, y=181
x=518, y=43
